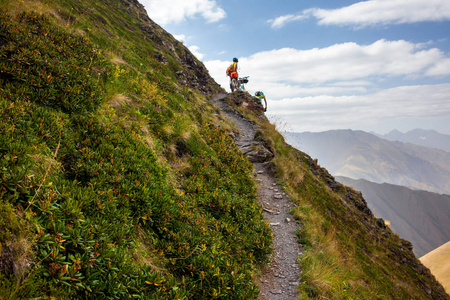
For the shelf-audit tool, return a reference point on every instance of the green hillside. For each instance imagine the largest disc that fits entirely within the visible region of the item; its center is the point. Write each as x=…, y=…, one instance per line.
x=119, y=179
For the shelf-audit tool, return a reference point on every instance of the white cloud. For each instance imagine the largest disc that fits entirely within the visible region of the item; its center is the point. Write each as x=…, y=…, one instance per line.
x=344, y=85
x=193, y=48
x=283, y=20
x=290, y=72
x=180, y=37
x=405, y=103
x=402, y=101
x=441, y=68
x=165, y=12
x=196, y=52
x=375, y=12
x=352, y=83
x=386, y=12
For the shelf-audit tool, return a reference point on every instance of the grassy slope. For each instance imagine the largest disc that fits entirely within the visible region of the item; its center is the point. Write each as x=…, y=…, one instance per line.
x=116, y=174
x=118, y=178
x=349, y=254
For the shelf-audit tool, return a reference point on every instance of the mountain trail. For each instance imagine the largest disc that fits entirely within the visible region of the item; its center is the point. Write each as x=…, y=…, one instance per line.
x=279, y=279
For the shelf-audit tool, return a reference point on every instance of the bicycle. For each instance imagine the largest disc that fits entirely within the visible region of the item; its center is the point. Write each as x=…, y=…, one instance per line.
x=238, y=84
x=242, y=82
x=234, y=83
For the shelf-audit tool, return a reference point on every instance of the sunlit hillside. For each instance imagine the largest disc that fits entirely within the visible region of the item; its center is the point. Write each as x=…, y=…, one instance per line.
x=438, y=261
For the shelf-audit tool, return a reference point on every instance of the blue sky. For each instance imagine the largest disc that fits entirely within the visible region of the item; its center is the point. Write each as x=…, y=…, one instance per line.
x=373, y=65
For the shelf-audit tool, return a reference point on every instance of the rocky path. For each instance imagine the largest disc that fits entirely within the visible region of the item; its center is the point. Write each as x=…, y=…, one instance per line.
x=280, y=278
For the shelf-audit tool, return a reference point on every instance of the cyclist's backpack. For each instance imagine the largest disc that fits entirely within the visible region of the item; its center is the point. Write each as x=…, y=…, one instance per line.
x=229, y=70
x=232, y=68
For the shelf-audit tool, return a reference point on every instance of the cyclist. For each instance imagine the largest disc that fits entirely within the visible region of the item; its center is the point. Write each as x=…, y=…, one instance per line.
x=232, y=71
x=260, y=95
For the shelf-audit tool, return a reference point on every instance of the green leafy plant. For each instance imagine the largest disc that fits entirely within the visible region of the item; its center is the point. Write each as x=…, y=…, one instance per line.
x=80, y=172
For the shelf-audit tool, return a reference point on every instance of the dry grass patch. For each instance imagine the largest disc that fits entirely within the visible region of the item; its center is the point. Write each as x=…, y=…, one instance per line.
x=44, y=164
x=118, y=60
x=27, y=6
x=145, y=254
x=119, y=100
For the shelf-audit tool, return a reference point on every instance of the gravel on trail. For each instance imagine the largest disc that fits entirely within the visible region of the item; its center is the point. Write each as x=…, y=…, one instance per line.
x=280, y=278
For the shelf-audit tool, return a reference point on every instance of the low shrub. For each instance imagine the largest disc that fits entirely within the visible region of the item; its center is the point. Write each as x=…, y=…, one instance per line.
x=86, y=183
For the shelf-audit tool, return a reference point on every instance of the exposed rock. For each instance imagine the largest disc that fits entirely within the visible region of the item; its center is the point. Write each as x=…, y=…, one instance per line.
x=278, y=196
x=256, y=152
x=242, y=98
x=195, y=73
x=381, y=224
x=407, y=244
x=358, y=201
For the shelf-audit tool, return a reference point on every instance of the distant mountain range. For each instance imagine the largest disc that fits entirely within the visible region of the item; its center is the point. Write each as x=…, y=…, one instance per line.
x=418, y=216
x=421, y=137
x=361, y=155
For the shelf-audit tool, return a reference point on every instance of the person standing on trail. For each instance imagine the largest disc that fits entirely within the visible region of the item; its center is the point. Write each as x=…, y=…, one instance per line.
x=232, y=70
x=260, y=95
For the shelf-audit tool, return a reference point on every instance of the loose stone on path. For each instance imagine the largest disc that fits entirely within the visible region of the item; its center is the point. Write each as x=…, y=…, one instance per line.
x=280, y=279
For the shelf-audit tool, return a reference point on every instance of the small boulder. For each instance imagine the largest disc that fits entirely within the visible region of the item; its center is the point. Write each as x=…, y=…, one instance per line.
x=257, y=153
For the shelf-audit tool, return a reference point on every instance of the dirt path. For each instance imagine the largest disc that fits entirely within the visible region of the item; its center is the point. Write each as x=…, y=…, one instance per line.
x=280, y=278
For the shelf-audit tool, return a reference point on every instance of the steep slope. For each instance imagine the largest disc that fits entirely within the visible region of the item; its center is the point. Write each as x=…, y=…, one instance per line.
x=418, y=216
x=360, y=155
x=349, y=253
x=120, y=178
x=438, y=261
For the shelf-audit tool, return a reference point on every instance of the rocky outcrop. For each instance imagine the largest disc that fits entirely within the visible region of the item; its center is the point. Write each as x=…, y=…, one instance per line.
x=257, y=148
x=194, y=74
x=257, y=152
x=244, y=99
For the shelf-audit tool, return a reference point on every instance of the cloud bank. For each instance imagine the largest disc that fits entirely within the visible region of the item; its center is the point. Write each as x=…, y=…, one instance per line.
x=347, y=84
x=339, y=68
x=374, y=12
x=418, y=105
x=174, y=11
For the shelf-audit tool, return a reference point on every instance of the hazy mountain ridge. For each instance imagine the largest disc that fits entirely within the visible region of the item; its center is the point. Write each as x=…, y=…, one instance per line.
x=361, y=155
x=421, y=137
x=419, y=216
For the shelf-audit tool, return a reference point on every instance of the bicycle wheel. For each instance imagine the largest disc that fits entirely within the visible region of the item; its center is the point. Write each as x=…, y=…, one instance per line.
x=233, y=84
